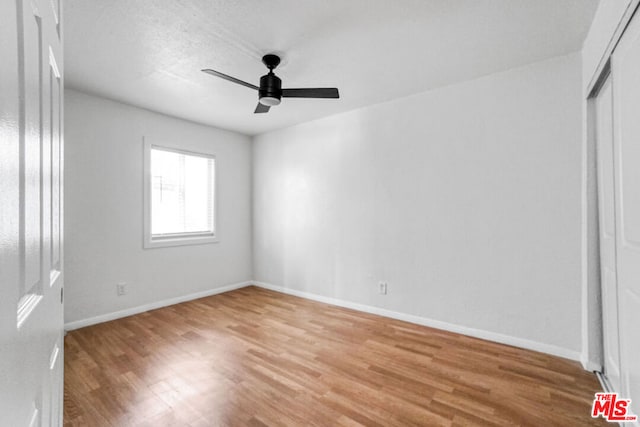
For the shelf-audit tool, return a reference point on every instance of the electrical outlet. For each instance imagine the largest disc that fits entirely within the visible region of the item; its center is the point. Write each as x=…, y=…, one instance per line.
x=382, y=286
x=121, y=288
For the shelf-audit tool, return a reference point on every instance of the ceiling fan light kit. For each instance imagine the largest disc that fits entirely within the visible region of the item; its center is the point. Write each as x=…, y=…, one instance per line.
x=270, y=91
x=269, y=101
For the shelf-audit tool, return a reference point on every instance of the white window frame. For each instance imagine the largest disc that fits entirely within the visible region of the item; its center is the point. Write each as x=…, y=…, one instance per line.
x=184, y=238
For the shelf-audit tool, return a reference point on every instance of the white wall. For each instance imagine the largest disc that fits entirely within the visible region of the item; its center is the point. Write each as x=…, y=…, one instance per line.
x=466, y=199
x=103, y=210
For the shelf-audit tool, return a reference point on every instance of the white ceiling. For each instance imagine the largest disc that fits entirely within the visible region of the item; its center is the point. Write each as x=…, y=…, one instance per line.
x=149, y=53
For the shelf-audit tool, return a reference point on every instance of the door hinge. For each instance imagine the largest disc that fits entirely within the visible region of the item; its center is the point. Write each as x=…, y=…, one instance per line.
x=61, y=295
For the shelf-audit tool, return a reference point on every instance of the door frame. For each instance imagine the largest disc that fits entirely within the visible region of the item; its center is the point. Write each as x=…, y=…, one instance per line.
x=592, y=357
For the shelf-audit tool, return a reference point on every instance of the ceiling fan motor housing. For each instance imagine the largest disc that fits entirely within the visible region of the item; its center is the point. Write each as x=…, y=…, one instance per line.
x=270, y=90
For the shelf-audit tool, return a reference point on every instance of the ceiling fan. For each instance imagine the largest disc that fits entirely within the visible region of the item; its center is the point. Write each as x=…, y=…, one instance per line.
x=270, y=90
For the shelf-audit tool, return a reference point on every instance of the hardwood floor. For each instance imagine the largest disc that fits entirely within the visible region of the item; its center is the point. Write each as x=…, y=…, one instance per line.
x=255, y=357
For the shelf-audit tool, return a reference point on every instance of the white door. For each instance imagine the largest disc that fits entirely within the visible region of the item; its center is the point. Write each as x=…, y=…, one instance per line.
x=31, y=278
x=625, y=65
x=607, y=218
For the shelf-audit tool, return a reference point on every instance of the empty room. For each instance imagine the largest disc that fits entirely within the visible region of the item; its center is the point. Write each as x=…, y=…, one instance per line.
x=327, y=213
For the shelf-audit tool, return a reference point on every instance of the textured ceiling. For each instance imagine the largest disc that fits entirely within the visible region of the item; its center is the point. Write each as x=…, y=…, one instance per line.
x=149, y=53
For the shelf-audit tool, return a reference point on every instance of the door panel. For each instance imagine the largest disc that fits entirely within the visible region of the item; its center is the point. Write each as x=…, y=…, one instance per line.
x=32, y=146
x=31, y=255
x=606, y=209
x=55, y=108
x=625, y=64
x=56, y=384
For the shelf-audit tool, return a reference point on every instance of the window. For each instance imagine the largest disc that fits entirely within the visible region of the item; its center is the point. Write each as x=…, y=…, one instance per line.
x=179, y=197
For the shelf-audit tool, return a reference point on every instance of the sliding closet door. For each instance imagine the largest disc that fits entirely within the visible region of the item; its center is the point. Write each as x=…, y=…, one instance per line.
x=607, y=218
x=625, y=65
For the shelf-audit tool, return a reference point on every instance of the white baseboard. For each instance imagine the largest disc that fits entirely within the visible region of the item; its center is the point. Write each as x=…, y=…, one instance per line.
x=464, y=330
x=151, y=306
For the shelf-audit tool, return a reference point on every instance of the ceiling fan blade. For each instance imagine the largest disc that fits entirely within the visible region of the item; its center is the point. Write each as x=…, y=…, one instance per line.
x=261, y=108
x=231, y=79
x=319, y=92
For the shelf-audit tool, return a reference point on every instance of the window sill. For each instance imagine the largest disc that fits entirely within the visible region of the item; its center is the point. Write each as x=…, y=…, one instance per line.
x=163, y=242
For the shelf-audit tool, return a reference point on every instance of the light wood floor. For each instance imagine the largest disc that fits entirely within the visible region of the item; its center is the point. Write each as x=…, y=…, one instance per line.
x=255, y=357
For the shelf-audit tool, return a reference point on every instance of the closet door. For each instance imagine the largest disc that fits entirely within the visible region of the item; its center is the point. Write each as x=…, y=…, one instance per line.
x=607, y=219
x=625, y=65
